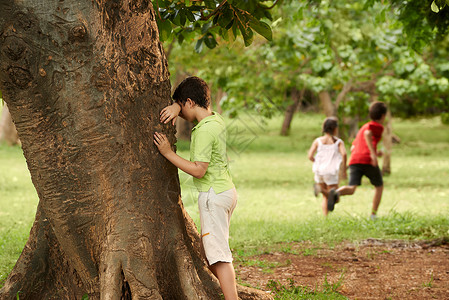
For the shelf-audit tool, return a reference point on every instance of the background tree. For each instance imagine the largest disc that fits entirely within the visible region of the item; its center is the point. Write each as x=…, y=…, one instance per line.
x=346, y=54
x=85, y=82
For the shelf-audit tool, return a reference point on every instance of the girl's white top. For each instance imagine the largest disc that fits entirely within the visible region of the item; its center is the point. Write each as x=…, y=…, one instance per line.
x=328, y=158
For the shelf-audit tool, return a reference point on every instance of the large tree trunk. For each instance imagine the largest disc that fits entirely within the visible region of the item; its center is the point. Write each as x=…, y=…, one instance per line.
x=85, y=81
x=8, y=132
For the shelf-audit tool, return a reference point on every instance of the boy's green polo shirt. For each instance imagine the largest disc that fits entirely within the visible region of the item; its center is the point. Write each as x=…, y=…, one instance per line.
x=208, y=144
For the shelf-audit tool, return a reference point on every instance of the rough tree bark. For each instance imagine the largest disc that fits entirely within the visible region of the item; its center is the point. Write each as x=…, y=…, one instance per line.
x=85, y=81
x=8, y=132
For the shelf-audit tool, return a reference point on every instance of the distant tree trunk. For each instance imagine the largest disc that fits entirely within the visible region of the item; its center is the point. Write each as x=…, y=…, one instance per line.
x=326, y=103
x=85, y=82
x=388, y=145
x=291, y=109
x=218, y=96
x=8, y=132
x=183, y=129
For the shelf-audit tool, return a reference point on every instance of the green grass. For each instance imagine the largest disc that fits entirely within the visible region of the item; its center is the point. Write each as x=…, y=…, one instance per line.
x=18, y=202
x=327, y=290
x=274, y=181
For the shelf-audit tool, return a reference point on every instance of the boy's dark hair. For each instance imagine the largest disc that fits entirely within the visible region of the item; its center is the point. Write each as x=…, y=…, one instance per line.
x=194, y=88
x=376, y=110
x=330, y=124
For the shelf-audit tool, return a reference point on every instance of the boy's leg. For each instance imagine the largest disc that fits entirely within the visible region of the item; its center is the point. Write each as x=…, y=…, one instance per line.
x=377, y=197
x=355, y=179
x=346, y=190
x=334, y=195
x=375, y=176
x=225, y=273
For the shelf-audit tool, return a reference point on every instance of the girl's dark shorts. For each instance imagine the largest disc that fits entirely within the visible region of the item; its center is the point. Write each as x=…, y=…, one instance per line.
x=358, y=170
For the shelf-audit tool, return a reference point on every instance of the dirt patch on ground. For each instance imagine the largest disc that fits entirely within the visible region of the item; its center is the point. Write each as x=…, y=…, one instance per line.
x=372, y=269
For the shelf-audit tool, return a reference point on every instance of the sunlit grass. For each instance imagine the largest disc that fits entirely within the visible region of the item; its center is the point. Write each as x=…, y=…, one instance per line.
x=274, y=181
x=18, y=202
x=276, y=203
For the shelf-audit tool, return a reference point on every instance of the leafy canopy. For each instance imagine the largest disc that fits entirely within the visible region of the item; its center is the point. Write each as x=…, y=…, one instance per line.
x=213, y=19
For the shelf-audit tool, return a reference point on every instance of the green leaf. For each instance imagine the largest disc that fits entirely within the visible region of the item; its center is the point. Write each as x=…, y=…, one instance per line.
x=199, y=46
x=247, y=34
x=180, y=38
x=210, y=41
x=190, y=15
x=435, y=7
x=210, y=4
x=234, y=28
x=206, y=27
x=246, y=31
x=230, y=24
x=182, y=17
x=262, y=28
x=224, y=34
x=226, y=17
x=165, y=29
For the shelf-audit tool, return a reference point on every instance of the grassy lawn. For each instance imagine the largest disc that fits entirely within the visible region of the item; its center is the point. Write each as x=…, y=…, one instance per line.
x=276, y=204
x=274, y=180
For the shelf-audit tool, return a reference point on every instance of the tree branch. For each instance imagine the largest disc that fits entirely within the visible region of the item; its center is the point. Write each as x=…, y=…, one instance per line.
x=205, y=18
x=342, y=94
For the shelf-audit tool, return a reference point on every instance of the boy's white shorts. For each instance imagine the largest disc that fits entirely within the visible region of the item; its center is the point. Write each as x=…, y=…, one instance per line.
x=215, y=215
x=327, y=179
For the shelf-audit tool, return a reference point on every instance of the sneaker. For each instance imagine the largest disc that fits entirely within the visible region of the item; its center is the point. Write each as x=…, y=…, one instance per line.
x=332, y=198
x=316, y=189
x=373, y=217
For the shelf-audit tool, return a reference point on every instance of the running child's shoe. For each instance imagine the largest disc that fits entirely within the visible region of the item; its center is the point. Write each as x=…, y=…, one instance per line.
x=332, y=198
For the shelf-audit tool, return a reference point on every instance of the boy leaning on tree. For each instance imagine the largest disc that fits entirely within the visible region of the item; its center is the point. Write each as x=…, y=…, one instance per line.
x=209, y=167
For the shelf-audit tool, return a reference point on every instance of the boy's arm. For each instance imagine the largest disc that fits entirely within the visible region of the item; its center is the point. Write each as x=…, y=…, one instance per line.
x=312, y=151
x=369, y=142
x=197, y=169
x=170, y=112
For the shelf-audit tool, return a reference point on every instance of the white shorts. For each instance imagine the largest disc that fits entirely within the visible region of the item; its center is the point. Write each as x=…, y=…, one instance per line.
x=327, y=179
x=215, y=215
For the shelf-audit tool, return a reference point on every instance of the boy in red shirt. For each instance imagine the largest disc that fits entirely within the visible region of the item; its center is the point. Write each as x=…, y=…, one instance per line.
x=363, y=159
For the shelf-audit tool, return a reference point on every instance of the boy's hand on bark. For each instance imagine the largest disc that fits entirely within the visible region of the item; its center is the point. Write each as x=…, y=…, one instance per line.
x=170, y=112
x=162, y=143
